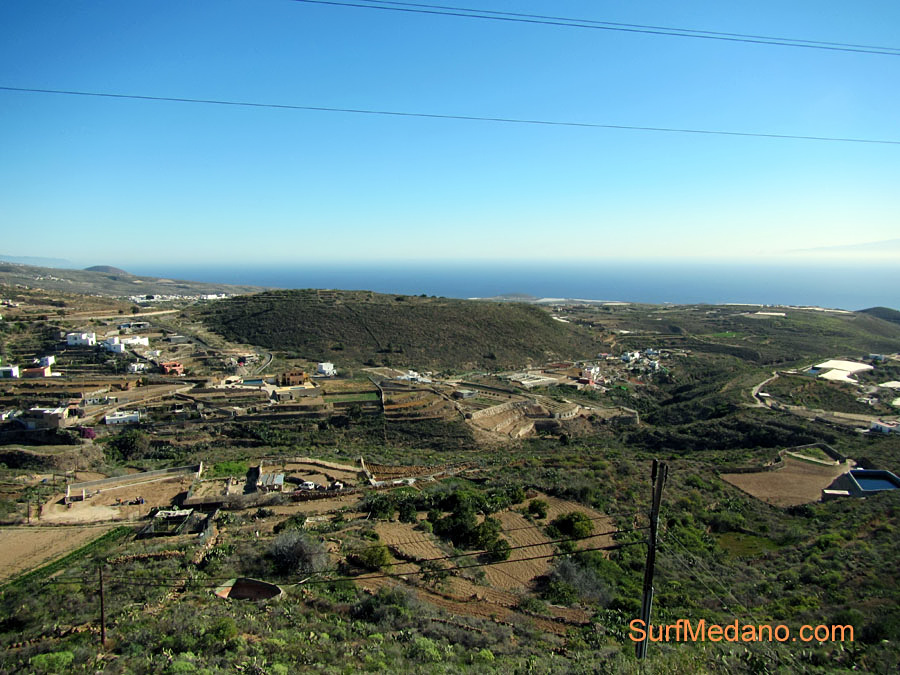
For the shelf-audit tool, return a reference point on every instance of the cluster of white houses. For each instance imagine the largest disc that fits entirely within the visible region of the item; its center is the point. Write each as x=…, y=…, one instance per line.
x=41, y=368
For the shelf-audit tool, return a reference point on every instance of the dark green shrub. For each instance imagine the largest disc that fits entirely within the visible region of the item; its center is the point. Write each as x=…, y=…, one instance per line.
x=574, y=524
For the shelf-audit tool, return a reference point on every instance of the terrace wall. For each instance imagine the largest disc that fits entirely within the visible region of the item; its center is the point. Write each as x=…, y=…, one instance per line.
x=132, y=478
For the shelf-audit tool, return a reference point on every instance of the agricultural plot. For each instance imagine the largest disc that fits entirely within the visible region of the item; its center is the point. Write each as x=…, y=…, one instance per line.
x=314, y=472
x=797, y=482
x=117, y=502
x=409, y=541
x=518, y=574
x=24, y=548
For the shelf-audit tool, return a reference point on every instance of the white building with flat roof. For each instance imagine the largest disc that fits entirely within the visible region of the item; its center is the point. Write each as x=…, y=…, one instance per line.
x=123, y=417
x=81, y=339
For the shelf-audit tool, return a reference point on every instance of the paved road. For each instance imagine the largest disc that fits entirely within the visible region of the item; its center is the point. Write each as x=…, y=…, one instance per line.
x=759, y=402
x=123, y=317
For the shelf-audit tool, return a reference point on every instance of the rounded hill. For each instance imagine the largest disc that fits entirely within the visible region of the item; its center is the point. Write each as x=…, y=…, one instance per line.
x=107, y=269
x=375, y=329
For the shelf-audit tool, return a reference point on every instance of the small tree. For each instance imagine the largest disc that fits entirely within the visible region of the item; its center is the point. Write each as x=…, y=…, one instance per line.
x=295, y=552
x=573, y=524
x=538, y=508
x=372, y=557
x=499, y=550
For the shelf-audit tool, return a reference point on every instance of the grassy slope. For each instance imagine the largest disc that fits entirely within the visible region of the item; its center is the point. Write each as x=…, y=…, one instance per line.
x=108, y=283
x=358, y=326
x=799, y=335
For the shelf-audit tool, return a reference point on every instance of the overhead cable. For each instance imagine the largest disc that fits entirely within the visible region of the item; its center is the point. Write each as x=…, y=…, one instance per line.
x=443, y=10
x=467, y=118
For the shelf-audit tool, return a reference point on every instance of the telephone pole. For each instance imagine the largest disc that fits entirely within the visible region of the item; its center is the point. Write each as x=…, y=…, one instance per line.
x=658, y=479
x=102, y=609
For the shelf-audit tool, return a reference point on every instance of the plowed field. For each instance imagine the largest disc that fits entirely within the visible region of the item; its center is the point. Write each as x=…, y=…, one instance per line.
x=797, y=482
x=23, y=548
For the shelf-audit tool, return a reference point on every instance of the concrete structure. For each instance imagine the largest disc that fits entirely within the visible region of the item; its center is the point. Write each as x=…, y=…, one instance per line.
x=243, y=588
x=81, y=339
x=46, y=418
x=47, y=360
x=885, y=427
x=325, y=369
x=293, y=378
x=172, y=368
x=9, y=371
x=861, y=483
x=295, y=393
x=137, y=367
x=113, y=345
x=123, y=417
x=531, y=380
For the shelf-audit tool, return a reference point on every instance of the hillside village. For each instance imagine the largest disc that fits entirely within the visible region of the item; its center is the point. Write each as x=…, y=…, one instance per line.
x=196, y=452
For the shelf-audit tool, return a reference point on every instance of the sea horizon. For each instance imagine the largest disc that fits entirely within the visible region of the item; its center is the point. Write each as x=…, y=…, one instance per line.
x=838, y=286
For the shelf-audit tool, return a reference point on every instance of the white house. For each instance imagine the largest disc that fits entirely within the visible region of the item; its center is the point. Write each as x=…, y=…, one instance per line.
x=326, y=370
x=48, y=360
x=137, y=367
x=113, y=345
x=885, y=427
x=9, y=371
x=136, y=340
x=123, y=417
x=81, y=339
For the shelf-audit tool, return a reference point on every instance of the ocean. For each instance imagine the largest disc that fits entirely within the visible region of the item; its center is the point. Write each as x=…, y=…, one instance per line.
x=843, y=286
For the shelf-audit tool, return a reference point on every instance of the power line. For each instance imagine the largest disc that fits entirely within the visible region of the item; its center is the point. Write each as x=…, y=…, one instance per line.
x=439, y=558
x=367, y=576
x=466, y=12
x=691, y=567
x=468, y=118
x=458, y=555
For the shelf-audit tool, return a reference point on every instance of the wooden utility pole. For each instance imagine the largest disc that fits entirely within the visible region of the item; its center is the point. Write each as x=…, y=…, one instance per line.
x=658, y=479
x=102, y=609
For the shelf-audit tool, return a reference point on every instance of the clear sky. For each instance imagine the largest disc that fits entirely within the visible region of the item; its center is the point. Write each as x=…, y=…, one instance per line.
x=110, y=181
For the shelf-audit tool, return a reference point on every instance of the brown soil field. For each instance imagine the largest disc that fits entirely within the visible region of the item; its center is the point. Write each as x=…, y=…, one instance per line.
x=24, y=548
x=102, y=506
x=318, y=505
x=797, y=482
x=313, y=472
x=519, y=575
x=410, y=541
x=344, y=386
x=212, y=487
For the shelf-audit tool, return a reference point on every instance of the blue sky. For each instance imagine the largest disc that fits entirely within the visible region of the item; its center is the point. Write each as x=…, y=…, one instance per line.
x=123, y=182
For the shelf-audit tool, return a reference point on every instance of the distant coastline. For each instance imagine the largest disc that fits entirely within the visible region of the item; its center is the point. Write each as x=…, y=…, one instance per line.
x=849, y=287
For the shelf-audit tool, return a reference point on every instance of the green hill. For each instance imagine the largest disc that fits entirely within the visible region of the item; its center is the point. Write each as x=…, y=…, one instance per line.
x=885, y=313
x=366, y=327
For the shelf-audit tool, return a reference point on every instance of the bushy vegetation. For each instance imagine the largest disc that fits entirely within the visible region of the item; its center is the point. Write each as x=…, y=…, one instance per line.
x=368, y=327
x=295, y=552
